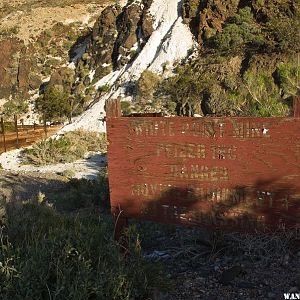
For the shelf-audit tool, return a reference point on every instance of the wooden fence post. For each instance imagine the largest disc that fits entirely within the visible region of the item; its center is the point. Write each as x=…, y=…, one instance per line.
x=296, y=106
x=45, y=126
x=17, y=131
x=3, y=133
x=113, y=110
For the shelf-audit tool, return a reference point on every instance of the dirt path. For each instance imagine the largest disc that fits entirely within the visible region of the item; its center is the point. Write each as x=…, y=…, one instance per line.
x=66, y=195
x=87, y=168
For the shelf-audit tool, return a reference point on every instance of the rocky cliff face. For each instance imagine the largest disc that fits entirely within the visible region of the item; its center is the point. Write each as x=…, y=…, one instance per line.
x=248, y=63
x=36, y=40
x=219, y=50
x=207, y=18
x=117, y=37
x=17, y=71
x=143, y=35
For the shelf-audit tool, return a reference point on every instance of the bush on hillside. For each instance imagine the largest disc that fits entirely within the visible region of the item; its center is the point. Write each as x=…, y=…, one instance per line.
x=289, y=78
x=185, y=92
x=70, y=147
x=263, y=96
x=283, y=28
x=15, y=106
x=241, y=30
x=53, y=104
x=147, y=85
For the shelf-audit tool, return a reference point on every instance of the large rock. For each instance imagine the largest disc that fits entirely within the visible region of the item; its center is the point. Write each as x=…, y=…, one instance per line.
x=134, y=29
x=206, y=18
x=117, y=37
x=17, y=68
x=104, y=36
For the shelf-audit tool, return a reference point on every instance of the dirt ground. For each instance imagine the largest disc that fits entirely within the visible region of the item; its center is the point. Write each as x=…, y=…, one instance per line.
x=200, y=264
x=32, y=20
x=64, y=193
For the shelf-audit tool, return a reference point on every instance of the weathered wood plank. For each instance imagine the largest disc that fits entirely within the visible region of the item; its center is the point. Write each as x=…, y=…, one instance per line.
x=113, y=108
x=221, y=172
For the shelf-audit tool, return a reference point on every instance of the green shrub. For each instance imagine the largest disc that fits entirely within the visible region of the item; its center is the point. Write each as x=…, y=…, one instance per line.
x=289, y=77
x=147, y=85
x=9, y=31
x=284, y=30
x=69, y=173
x=53, y=103
x=104, y=89
x=263, y=96
x=70, y=147
x=126, y=107
x=184, y=91
x=14, y=107
x=242, y=30
x=45, y=255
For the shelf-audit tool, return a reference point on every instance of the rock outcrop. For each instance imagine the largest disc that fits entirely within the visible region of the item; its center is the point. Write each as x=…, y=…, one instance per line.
x=117, y=37
x=17, y=68
x=206, y=18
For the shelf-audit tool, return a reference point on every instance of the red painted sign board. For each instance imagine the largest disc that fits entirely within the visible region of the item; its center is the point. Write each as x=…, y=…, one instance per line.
x=241, y=173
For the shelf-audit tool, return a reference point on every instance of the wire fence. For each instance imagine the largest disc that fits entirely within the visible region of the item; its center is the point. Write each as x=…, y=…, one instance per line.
x=15, y=135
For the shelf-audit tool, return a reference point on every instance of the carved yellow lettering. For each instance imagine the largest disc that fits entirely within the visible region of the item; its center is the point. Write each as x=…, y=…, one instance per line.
x=201, y=151
x=209, y=129
x=171, y=129
x=238, y=131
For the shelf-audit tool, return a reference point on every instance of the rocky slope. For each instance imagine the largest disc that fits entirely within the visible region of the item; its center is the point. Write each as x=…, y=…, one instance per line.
x=32, y=47
x=225, y=57
x=144, y=35
x=236, y=57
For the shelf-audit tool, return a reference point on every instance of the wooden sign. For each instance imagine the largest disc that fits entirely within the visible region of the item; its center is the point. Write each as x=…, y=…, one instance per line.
x=241, y=173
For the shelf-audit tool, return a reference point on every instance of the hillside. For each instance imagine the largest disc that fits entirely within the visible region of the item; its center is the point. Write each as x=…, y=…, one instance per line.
x=60, y=60
x=179, y=57
x=37, y=38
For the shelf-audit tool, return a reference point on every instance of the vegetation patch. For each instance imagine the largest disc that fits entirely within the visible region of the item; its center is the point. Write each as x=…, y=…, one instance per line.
x=68, y=148
x=218, y=87
x=9, y=31
x=46, y=255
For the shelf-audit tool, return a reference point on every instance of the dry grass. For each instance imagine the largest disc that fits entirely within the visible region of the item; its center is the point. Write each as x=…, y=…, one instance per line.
x=68, y=148
x=48, y=255
x=24, y=14
x=259, y=246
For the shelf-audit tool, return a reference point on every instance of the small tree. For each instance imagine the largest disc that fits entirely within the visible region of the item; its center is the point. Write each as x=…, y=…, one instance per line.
x=185, y=91
x=54, y=103
x=146, y=86
x=15, y=107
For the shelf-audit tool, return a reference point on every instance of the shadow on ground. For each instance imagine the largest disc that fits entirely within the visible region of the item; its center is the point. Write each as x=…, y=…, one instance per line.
x=63, y=193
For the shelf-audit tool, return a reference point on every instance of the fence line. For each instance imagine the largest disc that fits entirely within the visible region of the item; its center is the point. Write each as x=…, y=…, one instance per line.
x=15, y=136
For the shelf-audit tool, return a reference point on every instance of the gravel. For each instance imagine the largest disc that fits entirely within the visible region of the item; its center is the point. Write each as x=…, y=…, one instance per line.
x=228, y=274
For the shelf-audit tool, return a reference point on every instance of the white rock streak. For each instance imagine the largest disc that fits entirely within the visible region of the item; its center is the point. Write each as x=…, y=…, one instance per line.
x=169, y=42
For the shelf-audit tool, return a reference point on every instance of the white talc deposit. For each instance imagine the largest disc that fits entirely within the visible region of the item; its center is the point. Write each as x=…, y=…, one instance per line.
x=170, y=42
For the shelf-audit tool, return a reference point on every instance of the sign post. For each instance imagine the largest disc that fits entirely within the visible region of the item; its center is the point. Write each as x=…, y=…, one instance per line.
x=3, y=133
x=113, y=110
x=236, y=173
x=17, y=130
